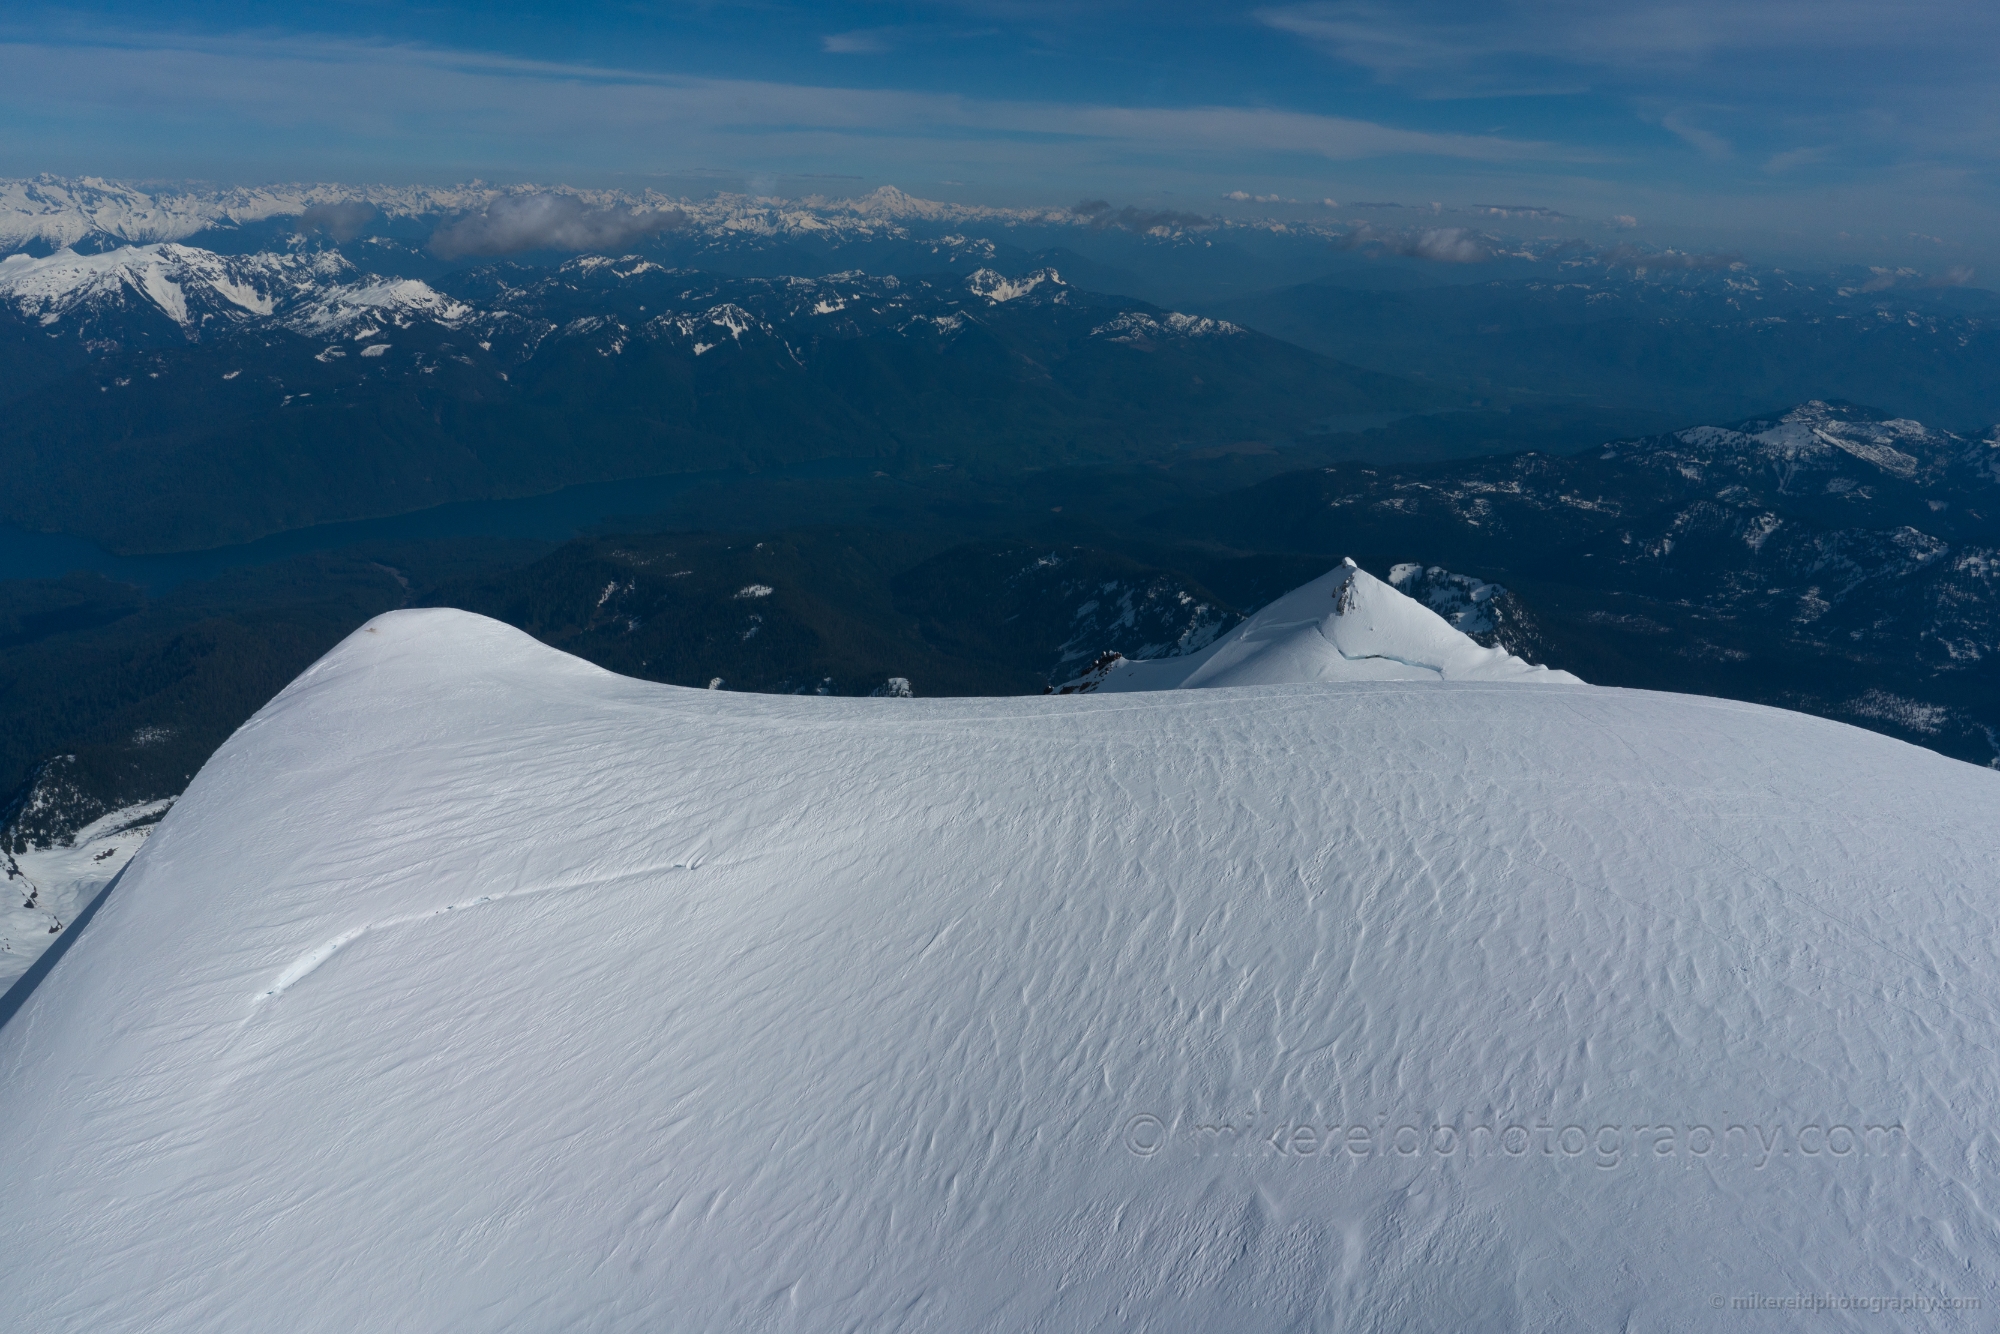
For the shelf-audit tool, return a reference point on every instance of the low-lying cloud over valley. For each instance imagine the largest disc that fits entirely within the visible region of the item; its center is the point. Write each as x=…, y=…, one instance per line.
x=517, y=223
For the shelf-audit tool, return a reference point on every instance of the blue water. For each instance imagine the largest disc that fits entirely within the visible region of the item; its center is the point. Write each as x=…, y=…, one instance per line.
x=556, y=517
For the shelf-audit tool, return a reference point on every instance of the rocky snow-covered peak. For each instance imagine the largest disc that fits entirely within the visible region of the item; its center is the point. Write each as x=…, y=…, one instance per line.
x=997, y=287
x=1814, y=438
x=363, y=308
x=1465, y=603
x=60, y=212
x=184, y=283
x=1139, y=327
x=312, y=292
x=56, y=212
x=1345, y=625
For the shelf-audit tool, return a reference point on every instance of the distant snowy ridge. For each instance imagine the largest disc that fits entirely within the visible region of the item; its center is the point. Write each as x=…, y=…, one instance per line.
x=182, y=282
x=1811, y=439
x=1465, y=603
x=58, y=212
x=315, y=292
x=47, y=886
x=1136, y=326
x=321, y=294
x=997, y=287
x=1345, y=625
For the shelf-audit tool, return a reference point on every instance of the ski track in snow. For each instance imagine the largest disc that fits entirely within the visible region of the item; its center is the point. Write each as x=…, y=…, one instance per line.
x=306, y=963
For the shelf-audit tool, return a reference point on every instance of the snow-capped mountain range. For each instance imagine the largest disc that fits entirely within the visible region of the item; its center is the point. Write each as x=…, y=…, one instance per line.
x=59, y=212
x=202, y=351
x=322, y=294
x=203, y=293
x=472, y=985
x=46, y=213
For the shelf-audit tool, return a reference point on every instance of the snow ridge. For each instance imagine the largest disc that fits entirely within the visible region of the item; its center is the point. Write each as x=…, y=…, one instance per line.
x=470, y=986
x=1346, y=625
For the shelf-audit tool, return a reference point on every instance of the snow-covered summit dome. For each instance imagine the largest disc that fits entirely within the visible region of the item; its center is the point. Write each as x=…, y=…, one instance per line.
x=473, y=987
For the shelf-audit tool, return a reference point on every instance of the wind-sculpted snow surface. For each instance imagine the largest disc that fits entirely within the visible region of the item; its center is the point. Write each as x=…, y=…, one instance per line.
x=472, y=987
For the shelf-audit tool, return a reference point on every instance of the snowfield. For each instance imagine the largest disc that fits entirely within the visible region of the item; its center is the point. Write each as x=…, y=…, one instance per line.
x=47, y=887
x=471, y=987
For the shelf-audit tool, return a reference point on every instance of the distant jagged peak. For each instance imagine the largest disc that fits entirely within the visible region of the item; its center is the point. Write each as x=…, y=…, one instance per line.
x=623, y=267
x=1984, y=456
x=1139, y=327
x=362, y=309
x=1896, y=445
x=314, y=292
x=61, y=212
x=1814, y=436
x=997, y=287
x=1465, y=602
x=58, y=212
x=1346, y=625
x=182, y=281
x=889, y=202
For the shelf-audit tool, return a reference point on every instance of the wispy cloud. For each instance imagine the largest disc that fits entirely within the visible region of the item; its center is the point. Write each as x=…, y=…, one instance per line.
x=471, y=113
x=1530, y=212
x=1415, y=38
x=469, y=107
x=1797, y=157
x=1902, y=91
x=1665, y=261
x=1882, y=280
x=1910, y=79
x=1709, y=143
x=515, y=223
x=864, y=42
x=342, y=221
x=1443, y=245
x=1141, y=220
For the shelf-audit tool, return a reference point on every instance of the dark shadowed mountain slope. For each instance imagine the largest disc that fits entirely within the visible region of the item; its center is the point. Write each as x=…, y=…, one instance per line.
x=1830, y=561
x=177, y=399
x=1698, y=347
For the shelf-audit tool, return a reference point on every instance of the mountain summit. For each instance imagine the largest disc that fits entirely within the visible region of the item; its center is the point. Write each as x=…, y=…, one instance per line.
x=1346, y=625
x=470, y=985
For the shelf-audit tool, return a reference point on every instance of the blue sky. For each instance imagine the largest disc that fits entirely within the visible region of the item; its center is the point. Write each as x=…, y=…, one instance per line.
x=1836, y=123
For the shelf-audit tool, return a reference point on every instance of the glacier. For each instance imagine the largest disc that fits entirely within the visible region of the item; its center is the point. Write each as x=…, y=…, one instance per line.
x=470, y=986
